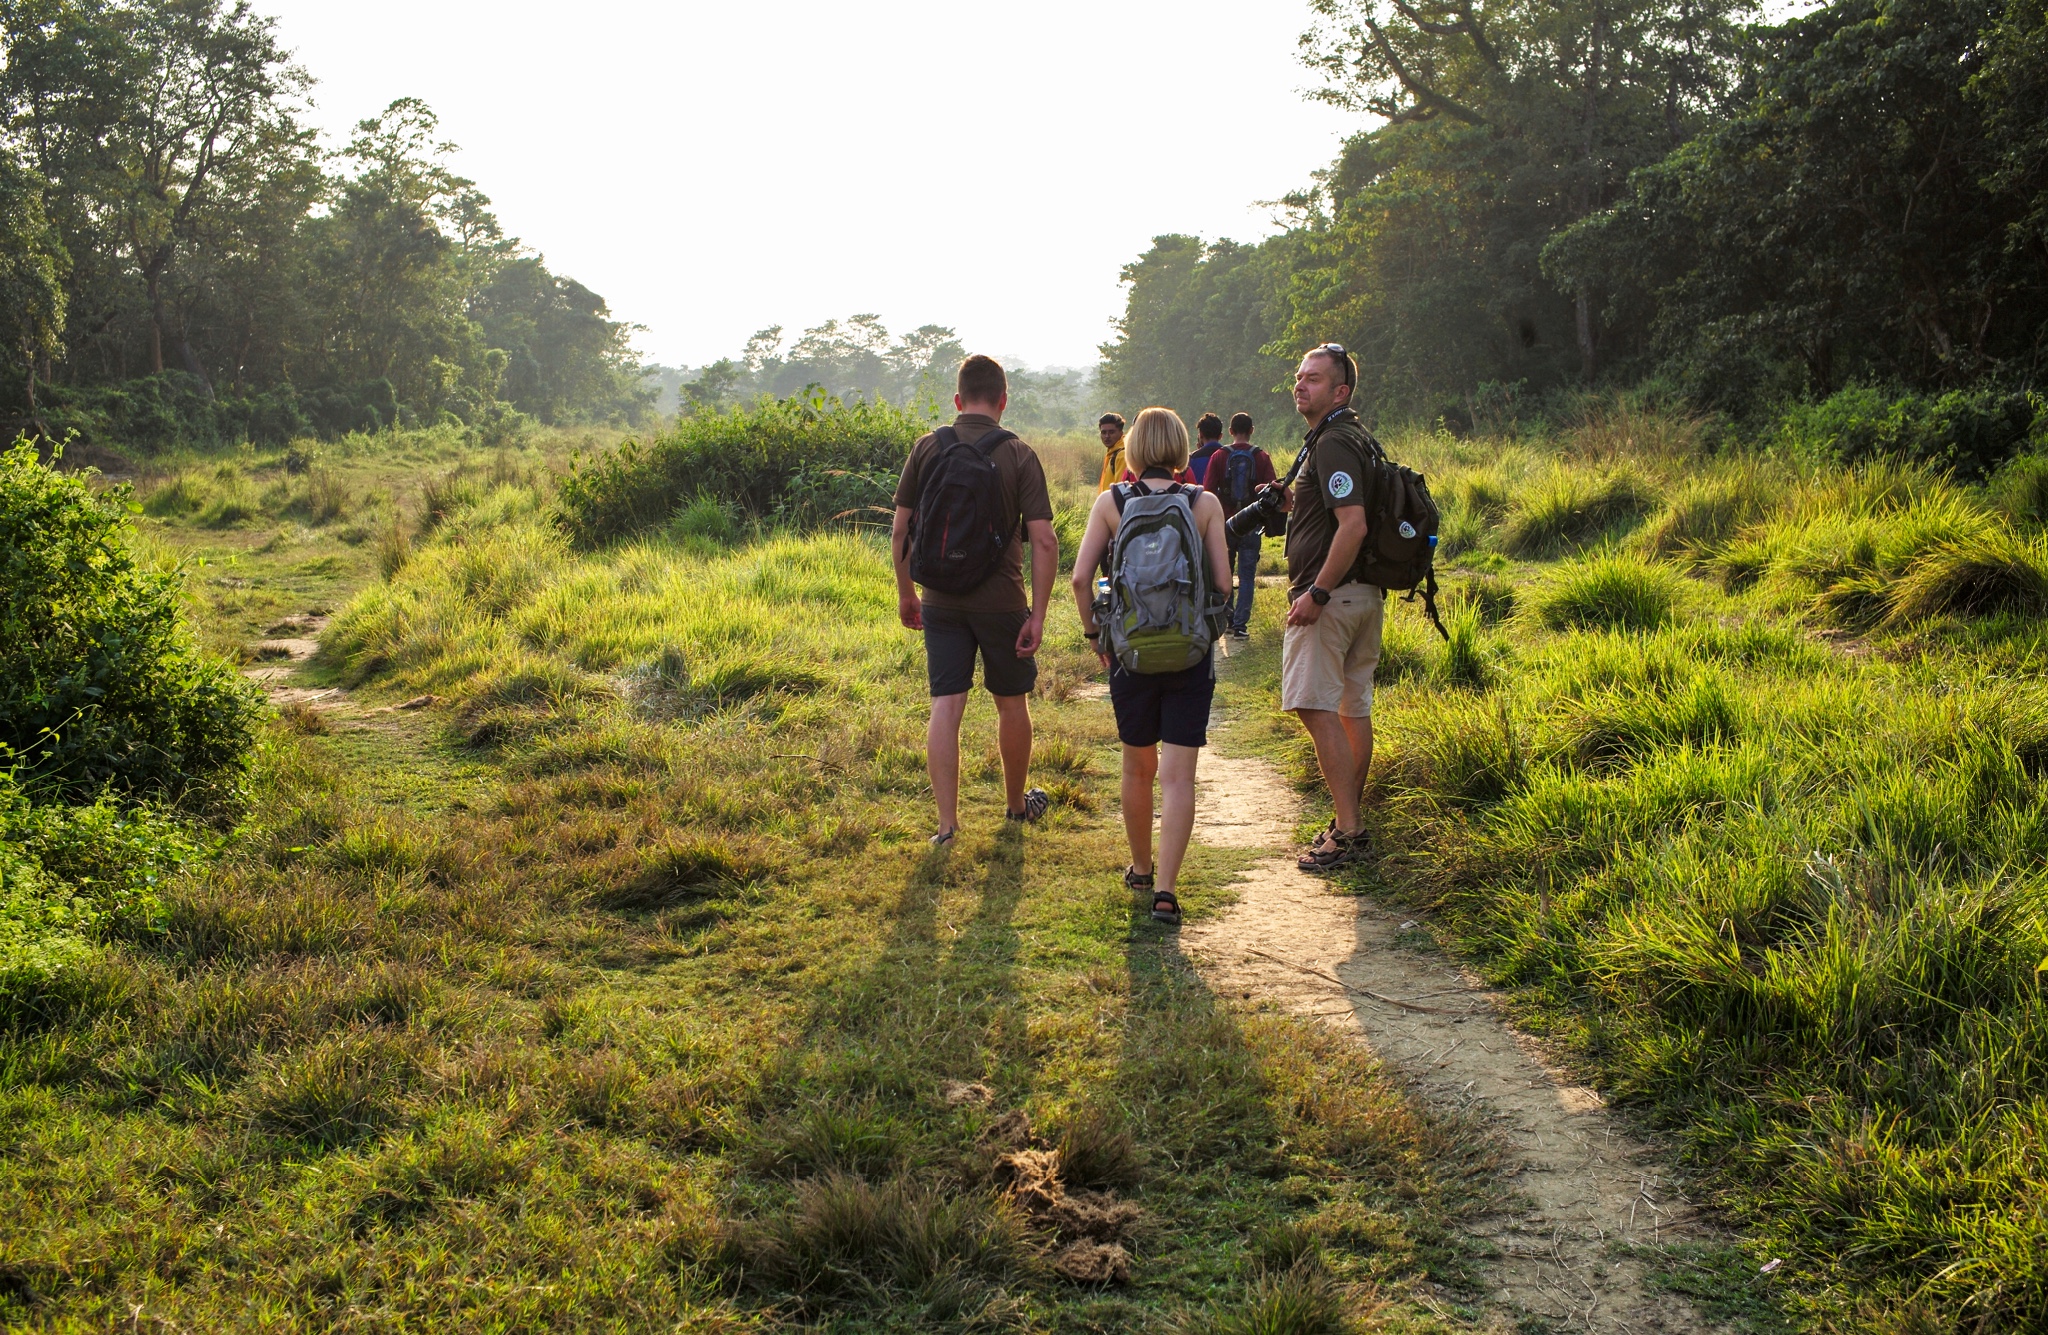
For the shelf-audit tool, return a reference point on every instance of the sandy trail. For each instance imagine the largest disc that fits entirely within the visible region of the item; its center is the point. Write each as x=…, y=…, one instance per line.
x=1582, y=1184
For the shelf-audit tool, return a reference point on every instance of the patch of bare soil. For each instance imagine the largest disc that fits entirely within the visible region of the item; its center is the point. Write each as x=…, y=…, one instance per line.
x=1583, y=1188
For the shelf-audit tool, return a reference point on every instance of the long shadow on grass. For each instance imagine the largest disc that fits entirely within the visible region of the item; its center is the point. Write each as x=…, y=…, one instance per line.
x=888, y=1203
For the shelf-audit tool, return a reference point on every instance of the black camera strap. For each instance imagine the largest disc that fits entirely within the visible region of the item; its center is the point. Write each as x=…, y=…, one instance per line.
x=1308, y=445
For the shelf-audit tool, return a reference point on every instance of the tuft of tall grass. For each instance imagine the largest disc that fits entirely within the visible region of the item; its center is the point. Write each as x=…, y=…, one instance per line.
x=846, y=1240
x=1610, y=593
x=1573, y=507
x=2021, y=489
x=1999, y=572
x=1707, y=510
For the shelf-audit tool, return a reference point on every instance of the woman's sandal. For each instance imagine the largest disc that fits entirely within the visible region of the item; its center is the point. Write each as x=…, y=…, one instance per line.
x=1165, y=908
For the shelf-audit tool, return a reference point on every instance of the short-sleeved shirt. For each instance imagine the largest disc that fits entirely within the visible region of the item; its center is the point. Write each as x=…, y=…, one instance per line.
x=1338, y=474
x=1021, y=479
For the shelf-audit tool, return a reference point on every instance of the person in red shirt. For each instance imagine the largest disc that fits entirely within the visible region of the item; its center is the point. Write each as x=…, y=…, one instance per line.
x=1234, y=475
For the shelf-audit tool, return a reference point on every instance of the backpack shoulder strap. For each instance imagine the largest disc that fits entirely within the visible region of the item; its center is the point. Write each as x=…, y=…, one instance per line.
x=1120, y=492
x=988, y=442
x=947, y=437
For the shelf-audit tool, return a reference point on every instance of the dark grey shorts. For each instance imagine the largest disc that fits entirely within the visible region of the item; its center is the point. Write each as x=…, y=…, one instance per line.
x=951, y=640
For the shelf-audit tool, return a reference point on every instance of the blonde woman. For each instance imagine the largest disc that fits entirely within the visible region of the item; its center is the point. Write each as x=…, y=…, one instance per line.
x=1161, y=717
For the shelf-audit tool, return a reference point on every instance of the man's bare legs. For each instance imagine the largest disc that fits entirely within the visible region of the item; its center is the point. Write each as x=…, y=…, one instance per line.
x=942, y=752
x=1174, y=769
x=942, y=757
x=1013, y=739
x=1344, y=754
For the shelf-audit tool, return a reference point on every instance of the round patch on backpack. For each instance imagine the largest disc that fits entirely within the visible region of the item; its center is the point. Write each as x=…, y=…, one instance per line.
x=1340, y=485
x=1407, y=529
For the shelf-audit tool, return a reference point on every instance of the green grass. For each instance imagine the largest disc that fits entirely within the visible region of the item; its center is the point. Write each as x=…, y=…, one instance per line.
x=618, y=989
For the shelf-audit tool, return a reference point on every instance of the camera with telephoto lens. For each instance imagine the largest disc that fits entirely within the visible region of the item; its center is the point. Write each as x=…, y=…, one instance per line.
x=1259, y=515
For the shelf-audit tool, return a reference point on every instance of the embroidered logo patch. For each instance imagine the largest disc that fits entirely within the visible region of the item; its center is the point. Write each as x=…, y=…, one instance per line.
x=1407, y=530
x=1340, y=485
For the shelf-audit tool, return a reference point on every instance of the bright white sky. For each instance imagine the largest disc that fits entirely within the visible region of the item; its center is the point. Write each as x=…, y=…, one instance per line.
x=712, y=169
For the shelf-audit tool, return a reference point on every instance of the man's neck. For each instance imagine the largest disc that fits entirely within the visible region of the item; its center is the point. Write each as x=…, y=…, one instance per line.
x=988, y=410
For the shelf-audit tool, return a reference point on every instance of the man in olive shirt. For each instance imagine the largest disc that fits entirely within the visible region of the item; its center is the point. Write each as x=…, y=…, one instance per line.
x=1332, y=641
x=993, y=619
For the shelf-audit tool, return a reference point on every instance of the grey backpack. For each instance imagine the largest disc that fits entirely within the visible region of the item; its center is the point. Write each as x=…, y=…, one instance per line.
x=1160, y=615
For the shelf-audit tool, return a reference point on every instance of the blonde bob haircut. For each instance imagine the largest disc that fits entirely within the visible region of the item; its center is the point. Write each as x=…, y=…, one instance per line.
x=1158, y=439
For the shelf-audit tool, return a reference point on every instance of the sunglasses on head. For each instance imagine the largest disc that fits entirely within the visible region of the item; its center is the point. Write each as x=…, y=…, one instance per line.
x=1338, y=355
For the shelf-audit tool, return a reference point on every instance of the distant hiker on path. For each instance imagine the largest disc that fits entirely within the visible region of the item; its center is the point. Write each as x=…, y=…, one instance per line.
x=970, y=498
x=1111, y=428
x=1234, y=477
x=1208, y=441
x=1155, y=634
x=1332, y=643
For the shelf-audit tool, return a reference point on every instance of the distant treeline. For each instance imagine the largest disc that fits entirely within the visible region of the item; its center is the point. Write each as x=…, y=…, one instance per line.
x=1585, y=193
x=859, y=359
x=179, y=257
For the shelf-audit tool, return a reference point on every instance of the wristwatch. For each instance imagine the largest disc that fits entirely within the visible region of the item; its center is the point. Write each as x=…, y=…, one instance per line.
x=1319, y=595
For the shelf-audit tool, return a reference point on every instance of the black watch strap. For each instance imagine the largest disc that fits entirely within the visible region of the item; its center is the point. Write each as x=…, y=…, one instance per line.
x=1318, y=595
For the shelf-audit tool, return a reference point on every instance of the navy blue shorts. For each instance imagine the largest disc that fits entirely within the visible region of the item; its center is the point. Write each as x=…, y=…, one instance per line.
x=1171, y=707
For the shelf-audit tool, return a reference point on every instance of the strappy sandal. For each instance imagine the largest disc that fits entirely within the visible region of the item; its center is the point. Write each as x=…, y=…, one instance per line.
x=1135, y=880
x=1334, y=850
x=944, y=838
x=1036, y=803
x=1165, y=908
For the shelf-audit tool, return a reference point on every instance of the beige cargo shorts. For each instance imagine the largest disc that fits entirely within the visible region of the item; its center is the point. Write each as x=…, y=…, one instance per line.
x=1329, y=665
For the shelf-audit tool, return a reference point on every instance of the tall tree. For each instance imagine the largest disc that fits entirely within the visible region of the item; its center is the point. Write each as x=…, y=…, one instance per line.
x=1504, y=123
x=31, y=262
x=1874, y=211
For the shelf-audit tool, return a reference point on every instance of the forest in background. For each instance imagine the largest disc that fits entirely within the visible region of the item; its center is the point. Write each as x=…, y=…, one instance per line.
x=858, y=358
x=1667, y=197
x=182, y=261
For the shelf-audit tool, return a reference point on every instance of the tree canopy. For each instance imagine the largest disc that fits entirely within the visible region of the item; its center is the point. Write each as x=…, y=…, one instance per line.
x=200, y=237
x=1602, y=191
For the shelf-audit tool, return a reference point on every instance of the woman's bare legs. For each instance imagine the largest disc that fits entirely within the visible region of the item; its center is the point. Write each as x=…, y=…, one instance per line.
x=1141, y=765
x=1176, y=808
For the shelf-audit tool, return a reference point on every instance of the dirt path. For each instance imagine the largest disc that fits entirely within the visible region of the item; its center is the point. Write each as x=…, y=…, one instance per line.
x=1583, y=1185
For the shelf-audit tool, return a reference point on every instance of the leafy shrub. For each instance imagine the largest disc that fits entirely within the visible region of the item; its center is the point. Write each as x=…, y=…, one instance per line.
x=798, y=461
x=68, y=873
x=1968, y=431
x=1611, y=593
x=1570, y=508
x=100, y=681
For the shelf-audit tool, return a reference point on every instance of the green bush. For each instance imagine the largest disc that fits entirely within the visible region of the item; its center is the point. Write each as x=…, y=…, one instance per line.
x=68, y=873
x=800, y=462
x=1970, y=431
x=100, y=682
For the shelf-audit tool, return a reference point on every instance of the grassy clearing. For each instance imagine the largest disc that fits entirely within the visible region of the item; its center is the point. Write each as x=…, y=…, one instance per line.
x=619, y=990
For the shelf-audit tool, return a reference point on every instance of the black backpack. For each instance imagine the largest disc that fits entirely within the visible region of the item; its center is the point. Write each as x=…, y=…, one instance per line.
x=958, y=531
x=1240, y=479
x=1400, y=543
